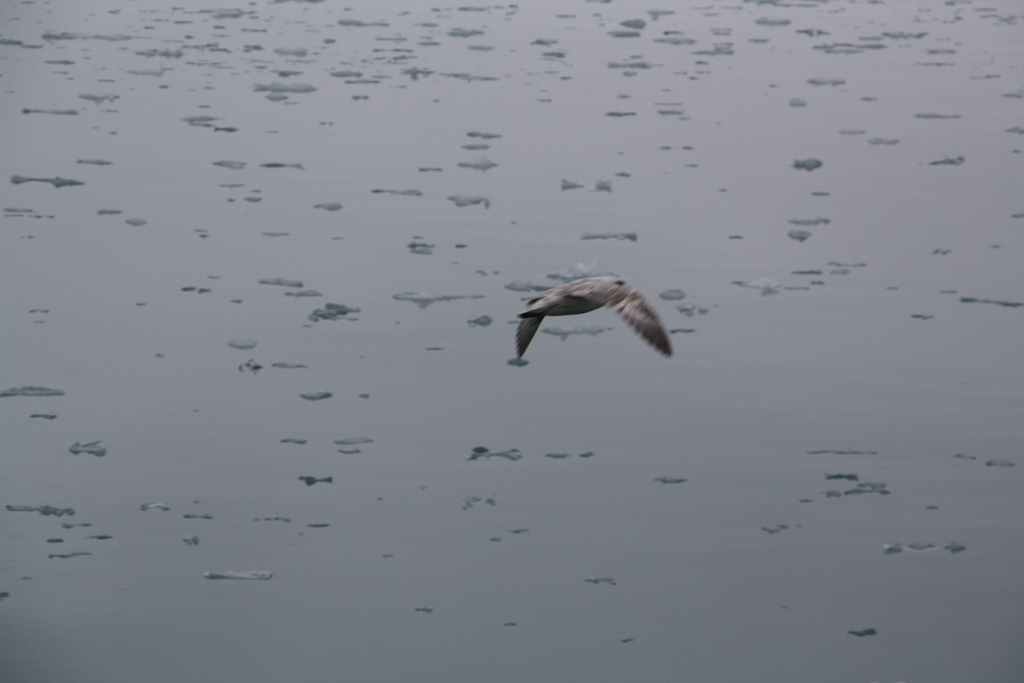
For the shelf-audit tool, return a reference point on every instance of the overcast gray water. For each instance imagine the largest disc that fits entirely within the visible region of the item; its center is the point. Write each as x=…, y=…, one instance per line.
x=261, y=267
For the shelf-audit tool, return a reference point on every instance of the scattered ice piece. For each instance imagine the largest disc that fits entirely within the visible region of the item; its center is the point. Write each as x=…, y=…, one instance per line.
x=420, y=248
x=66, y=555
x=920, y=546
x=569, y=185
x=94, y=162
x=999, y=463
x=624, y=34
x=772, y=21
x=798, y=102
x=155, y=506
x=97, y=448
x=603, y=186
x=353, y=441
x=883, y=141
x=483, y=136
x=669, y=480
x=422, y=299
x=426, y=609
x=973, y=300
x=518, y=362
x=333, y=312
x=578, y=272
x=891, y=548
x=525, y=286
x=31, y=391
x=328, y=206
x=278, y=164
x=284, y=88
x=817, y=220
x=848, y=477
x=948, y=161
x=192, y=540
x=631, y=236
x=316, y=395
x=481, y=164
x=287, y=366
x=607, y=579
x=845, y=451
x=461, y=200
x=865, y=632
x=868, y=487
x=556, y=456
x=243, y=344
x=775, y=529
x=766, y=285
x=45, y=416
x=309, y=481
x=565, y=332
x=304, y=292
x=135, y=222
x=807, y=164
x=55, y=112
x=99, y=99
x=672, y=294
x=56, y=182
x=245, y=575
x=481, y=321
x=197, y=515
x=281, y=281
x=954, y=547
x=799, y=235
x=299, y=442
x=482, y=452
x=937, y=116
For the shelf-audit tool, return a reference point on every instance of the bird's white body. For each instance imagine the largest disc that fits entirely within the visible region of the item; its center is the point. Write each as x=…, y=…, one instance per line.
x=588, y=294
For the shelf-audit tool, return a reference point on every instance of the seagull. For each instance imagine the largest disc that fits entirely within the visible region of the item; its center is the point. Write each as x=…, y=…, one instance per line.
x=588, y=294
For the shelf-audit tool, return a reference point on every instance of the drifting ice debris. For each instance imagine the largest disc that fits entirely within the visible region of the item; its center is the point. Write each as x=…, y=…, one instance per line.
x=604, y=186
x=524, y=286
x=196, y=515
x=303, y=292
x=333, y=312
x=948, y=161
x=281, y=281
x=31, y=391
x=155, y=506
x=937, y=116
x=97, y=448
x=247, y=575
x=766, y=285
x=135, y=222
x=565, y=332
x=482, y=321
x=316, y=395
x=56, y=182
x=999, y=463
x=865, y=632
x=99, y=99
x=798, y=235
x=797, y=102
x=972, y=300
x=422, y=299
x=669, y=480
x=481, y=164
x=277, y=164
x=45, y=510
x=482, y=452
x=192, y=540
x=848, y=477
x=817, y=220
x=66, y=555
x=287, y=366
x=518, y=362
x=284, y=88
x=775, y=529
x=868, y=487
x=483, y=136
x=807, y=164
x=631, y=236
x=569, y=185
x=461, y=200
x=299, y=442
x=420, y=248
x=672, y=294
x=353, y=441
x=578, y=272
x=404, y=193
x=328, y=206
x=243, y=344
x=607, y=579
x=891, y=548
x=884, y=141
x=772, y=21
x=309, y=481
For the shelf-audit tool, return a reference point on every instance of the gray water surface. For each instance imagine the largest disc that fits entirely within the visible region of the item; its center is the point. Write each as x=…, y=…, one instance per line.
x=261, y=267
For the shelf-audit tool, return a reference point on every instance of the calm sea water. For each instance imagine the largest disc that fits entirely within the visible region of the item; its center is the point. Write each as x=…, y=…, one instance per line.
x=823, y=484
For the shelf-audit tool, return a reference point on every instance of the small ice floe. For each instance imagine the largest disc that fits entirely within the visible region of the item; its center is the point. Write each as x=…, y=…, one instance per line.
x=482, y=452
x=244, y=575
x=94, y=162
x=973, y=300
x=298, y=442
x=481, y=164
x=565, y=332
x=799, y=235
x=192, y=540
x=884, y=141
x=97, y=448
x=309, y=481
x=426, y=609
x=421, y=248
x=868, y=487
x=827, y=81
x=353, y=441
x=467, y=504
x=155, y=506
x=31, y=391
x=70, y=35
x=603, y=186
x=287, y=366
x=284, y=88
x=933, y=116
x=672, y=294
x=481, y=321
x=775, y=529
x=56, y=182
x=630, y=236
x=999, y=463
x=328, y=206
x=135, y=222
x=526, y=286
x=807, y=164
x=281, y=282
x=953, y=547
x=578, y=272
x=99, y=99
x=766, y=285
x=197, y=515
x=65, y=556
x=618, y=33
x=316, y=395
x=842, y=451
x=569, y=185
x=798, y=102
x=45, y=416
x=605, y=580
x=804, y=222
x=45, y=510
x=243, y=344
x=518, y=362
x=422, y=299
x=303, y=292
x=401, y=193
x=482, y=135
x=278, y=164
x=848, y=477
x=948, y=161
x=55, y=112
x=291, y=51
x=333, y=312
x=461, y=200
x=670, y=480
x=772, y=21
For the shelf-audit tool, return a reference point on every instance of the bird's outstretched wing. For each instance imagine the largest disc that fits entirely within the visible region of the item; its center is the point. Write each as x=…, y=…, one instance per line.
x=524, y=334
x=641, y=316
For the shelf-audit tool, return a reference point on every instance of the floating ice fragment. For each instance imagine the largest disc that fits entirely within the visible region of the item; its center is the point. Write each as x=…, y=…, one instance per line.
x=31, y=391
x=277, y=164
x=827, y=81
x=309, y=481
x=291, y=51
x=94, y=162
x=675, y=40
x=565, y=332
x=798, y=102
x=420, y=248
x=404, y=193
x=245, y=575
x=772, y=21
x=799, y=235
x=807, y=164
x=848, y=477
x=637, y=24
x=461, y=200
x=56, y=182
x=316, y=395
x=865, y=632
x=422, y=299
x=303, y=292
x=328, y=206
x=192, y=540
x=635, y=64
x=45, y=416
x=481, y=321
x=299, y=442
x=242, y=344
x=929, y=115
x=845, y=451
x=482, y=135
x=284, y=88
x=607, y=580
x=884, y=141
x=333, y=312
x=353, y=440
x=669, y=480
x=97, y=448
x=67, y=35
x=464, y=32
x=135, y=222
x=624, y=34
x=281, y=281
x=482, y=452
x=287, y=366
x=55, y=112
x=66, y=555
x=233, y=165
x=196, y=515
x=766, y=285
x=672, y=294
x=525, y=286
x=99, y=99
x=569, y=185
x=810, y=221
x=948, y=161
x=775, y=529
x=891, y=548
x=154, y=506
x=999, y=463
x=973, y=300
x=954, y=547
x=518, y=362
x=481, y=164
x=631, y=236
x=868, y=487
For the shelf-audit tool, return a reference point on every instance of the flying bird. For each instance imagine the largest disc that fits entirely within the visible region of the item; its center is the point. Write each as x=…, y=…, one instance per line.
x=588, y=294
